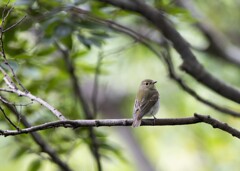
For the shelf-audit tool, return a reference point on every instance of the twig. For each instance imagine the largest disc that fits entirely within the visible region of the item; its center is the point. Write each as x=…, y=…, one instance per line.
x=20, y=93
x=197, y=118
x=45, y=147
x=9, y=120
x=78, y=91
x=95, y=84
x=15, y=104
x=4, y=10
x=2, y=45
x=189, y=90
x=219, y=46
x=220, y=125
x=14, y=25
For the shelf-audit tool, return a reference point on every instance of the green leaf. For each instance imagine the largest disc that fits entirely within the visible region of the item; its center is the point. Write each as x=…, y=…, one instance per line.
x=19, y=153
x=78, y=54
x=45, y=51
x=67, y=41
x=35, y=165
x=84, y=41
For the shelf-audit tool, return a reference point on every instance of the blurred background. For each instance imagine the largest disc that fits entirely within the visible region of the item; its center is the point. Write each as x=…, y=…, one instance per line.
x=108, y=68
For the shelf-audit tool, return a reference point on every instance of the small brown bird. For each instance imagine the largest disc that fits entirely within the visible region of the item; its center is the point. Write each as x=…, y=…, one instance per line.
x=146, y=102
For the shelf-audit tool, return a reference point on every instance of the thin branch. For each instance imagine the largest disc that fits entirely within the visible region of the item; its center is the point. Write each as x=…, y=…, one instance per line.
x=197, y=118
x=8, y=12
x=8, y=79
x=9, y=120
x=190, y=63
x=2, y=46
x=220, y=125
x=15, y=104
x=78, y=91
x=185, y=87
x=95, y=84
x=14, y=25
x=20, y=93
x=44, y=145
x=219, y=46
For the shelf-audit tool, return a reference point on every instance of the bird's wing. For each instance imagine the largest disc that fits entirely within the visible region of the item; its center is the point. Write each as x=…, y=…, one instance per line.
x=142, y=107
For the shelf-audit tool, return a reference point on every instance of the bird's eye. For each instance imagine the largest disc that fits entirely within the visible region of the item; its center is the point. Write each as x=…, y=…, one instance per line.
x=146, y=83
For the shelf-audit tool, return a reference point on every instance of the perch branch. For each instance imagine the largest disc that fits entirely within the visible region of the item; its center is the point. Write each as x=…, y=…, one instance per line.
x=197, y=118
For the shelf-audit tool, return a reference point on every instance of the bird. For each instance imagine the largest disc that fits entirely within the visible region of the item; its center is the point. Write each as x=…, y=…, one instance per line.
x=146, y=102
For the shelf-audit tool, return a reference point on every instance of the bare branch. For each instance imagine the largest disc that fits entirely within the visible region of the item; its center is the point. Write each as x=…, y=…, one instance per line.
x=9, y=120
x=78, y=91
x=2, y=47
x=96, y=83
x=20, y=93
x=190, y=63
x=197, y=118
x=189, y=90
x=14, y=25
x=219, y=46
x=220, y=125
x=45, y=147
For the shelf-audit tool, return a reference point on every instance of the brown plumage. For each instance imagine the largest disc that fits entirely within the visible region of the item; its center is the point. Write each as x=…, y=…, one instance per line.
x=147, y=101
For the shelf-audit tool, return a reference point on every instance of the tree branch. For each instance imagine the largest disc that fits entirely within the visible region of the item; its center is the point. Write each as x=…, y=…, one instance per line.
x=45, y=147
x=78, y=91
x=190, y=63
x=219, y=46
x=197, y=118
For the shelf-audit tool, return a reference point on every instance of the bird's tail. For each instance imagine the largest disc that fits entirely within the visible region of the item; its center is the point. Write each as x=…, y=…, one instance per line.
x=136, y=122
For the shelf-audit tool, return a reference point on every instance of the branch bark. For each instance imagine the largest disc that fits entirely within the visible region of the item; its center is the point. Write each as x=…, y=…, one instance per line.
x=197, y=118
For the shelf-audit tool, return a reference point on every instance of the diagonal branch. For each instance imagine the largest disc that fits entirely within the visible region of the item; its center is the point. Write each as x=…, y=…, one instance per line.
x=218, y=44
x=185, y=87
x=45, y=147
x=9, y=120
x=161, y=55
x=197, y=118
x=2, y=31
x=20, y=93
x=13, y=88
x=95, y=84
x=78, y=91
x=190, y=63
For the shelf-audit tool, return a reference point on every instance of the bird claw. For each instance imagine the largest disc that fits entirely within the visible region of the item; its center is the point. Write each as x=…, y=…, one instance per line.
x=154, y=120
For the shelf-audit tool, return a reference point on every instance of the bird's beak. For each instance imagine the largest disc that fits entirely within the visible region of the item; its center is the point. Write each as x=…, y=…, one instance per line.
x=154, y=82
